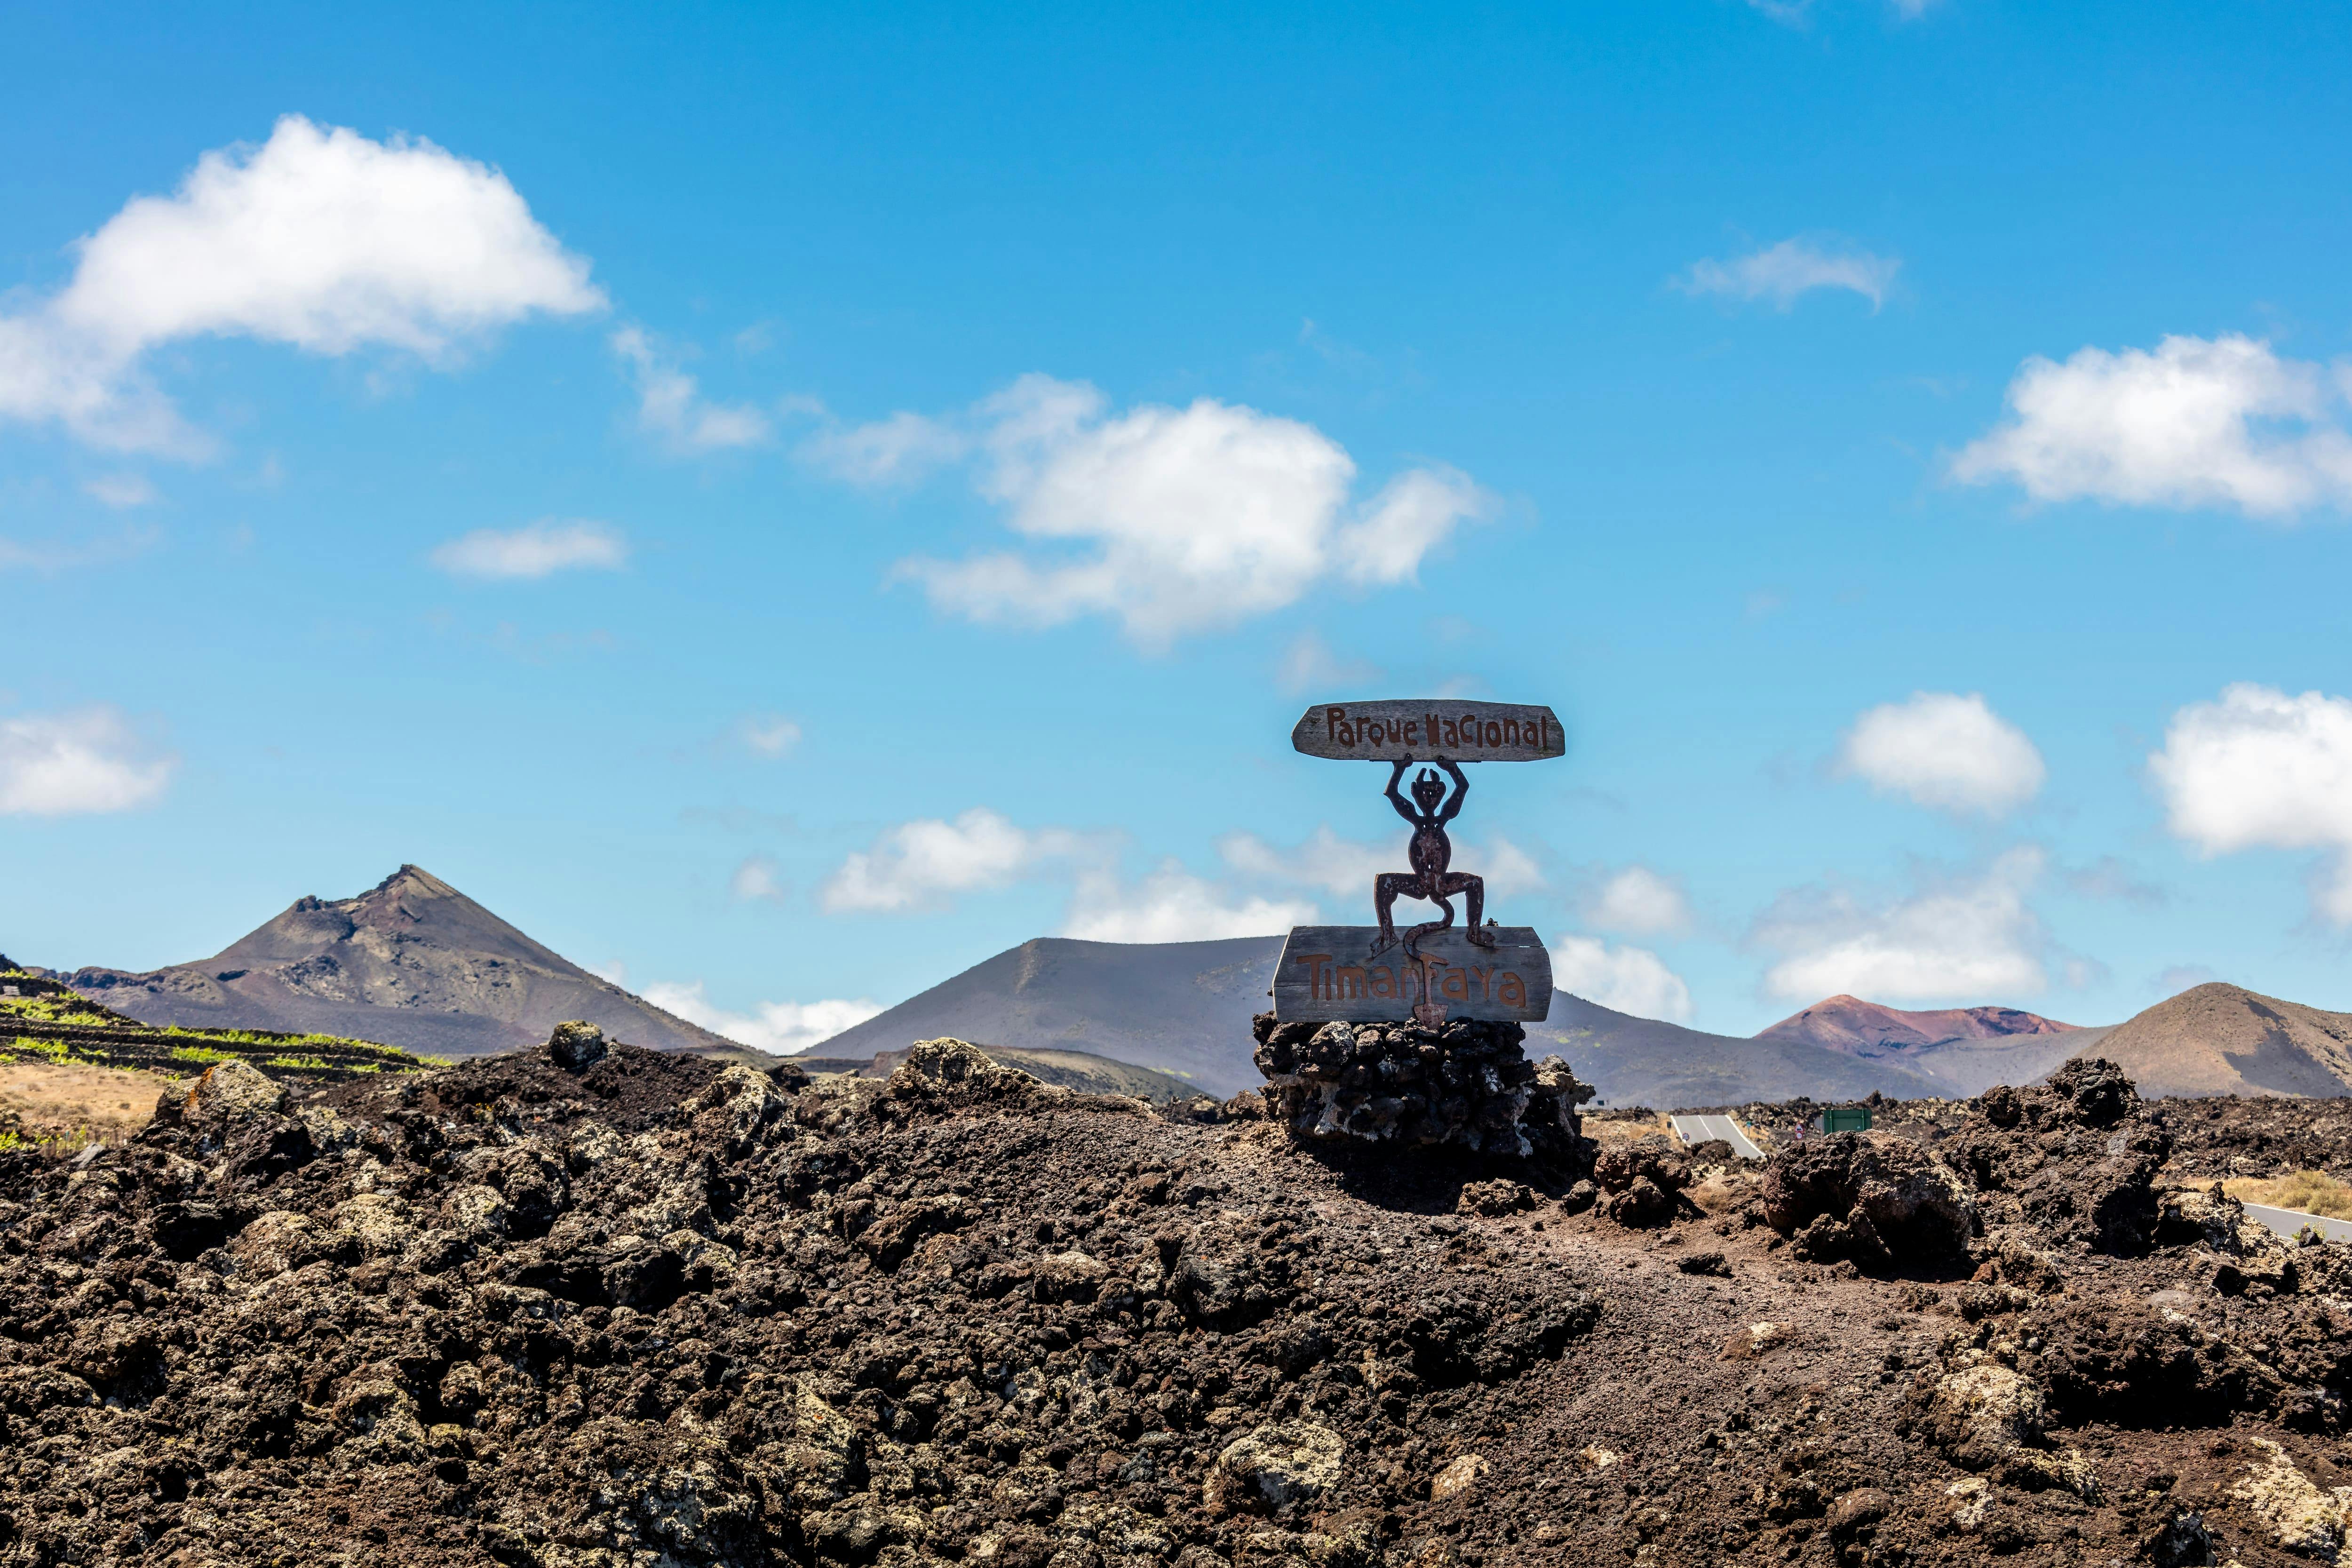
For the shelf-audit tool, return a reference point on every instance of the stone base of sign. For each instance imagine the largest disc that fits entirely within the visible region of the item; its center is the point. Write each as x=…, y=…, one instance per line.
x=1464, y=1084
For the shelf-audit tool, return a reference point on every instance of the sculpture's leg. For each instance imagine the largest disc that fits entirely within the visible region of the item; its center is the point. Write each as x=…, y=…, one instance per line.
x=1474, y=893
x=1387, y=888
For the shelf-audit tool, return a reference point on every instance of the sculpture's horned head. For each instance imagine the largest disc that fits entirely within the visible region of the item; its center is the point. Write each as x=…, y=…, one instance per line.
x=1427, y=791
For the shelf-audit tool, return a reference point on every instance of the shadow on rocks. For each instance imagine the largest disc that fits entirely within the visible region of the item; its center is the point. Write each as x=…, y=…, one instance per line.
x=1883, y=1204
x=1643, y=1183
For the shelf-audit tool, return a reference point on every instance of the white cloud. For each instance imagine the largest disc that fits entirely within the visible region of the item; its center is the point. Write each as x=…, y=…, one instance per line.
x=1944, y=751
x=900, y=450
x=2260, y=769
x=534, y=551
x=1783, y=272
x=319, y=238
x=1345, y=866
x=71, y=763
x=1172, y=905
x=756, y=877
x=922, y=864
x=2221, y=422
x=1308, y=663
x=1626, y=979
x=769, y=735
x=1638, y=901
x=120, y=490
x=1970, y=940
x=670, y=403
x=1166, y=520
x=784, y=1028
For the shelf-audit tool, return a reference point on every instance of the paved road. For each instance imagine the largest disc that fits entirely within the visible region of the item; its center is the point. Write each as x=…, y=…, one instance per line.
x=2286, y=1222
x=1699, y=1129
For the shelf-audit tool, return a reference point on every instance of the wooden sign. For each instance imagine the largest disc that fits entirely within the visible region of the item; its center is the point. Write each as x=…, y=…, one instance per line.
x=1331, y=974
x=1459, y=732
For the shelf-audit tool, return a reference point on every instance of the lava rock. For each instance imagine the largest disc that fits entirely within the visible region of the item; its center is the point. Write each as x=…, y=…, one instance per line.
x=577, y=1046
x=1465, y=1084
x=1879, y=1202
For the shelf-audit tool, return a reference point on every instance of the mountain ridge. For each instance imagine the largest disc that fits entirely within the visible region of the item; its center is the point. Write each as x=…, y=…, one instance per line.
x=2221, y=1039
x=411, y=963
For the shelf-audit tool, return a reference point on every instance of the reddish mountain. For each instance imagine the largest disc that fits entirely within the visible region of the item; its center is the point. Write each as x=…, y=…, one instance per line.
x=1965, y=1049
x=1870, y=1029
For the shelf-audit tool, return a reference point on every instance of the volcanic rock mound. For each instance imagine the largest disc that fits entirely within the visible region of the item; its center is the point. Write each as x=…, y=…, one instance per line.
x=1465, y=1084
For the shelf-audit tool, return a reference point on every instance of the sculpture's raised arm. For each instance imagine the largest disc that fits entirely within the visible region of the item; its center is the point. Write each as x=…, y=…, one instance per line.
x=1452, y=807
x=1403, y=809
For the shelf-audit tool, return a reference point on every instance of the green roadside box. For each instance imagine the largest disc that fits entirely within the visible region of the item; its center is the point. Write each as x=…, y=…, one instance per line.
x=1846, y=1119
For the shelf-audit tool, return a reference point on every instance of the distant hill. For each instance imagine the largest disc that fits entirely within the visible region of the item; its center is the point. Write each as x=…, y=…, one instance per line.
x=2225, y=1039
x=1965, y=1049
x=1181, y=1008
x=411, y=963
x=1645, y=1061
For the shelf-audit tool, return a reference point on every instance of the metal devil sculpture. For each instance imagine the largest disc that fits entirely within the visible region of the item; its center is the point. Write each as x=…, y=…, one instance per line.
x=1478, y=971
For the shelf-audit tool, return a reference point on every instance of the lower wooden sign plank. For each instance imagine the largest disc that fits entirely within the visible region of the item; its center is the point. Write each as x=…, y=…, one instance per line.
x=1424, y=730
x=1342, y=974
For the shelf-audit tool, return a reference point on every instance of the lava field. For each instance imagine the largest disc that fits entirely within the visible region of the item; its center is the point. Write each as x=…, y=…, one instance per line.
x=587, y=1307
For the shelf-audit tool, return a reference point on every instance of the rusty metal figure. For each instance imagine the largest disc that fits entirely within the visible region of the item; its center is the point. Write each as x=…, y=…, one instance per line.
x=1431, y=855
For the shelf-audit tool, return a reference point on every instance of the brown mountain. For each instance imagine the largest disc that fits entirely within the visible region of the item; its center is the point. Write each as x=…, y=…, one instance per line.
x=1964, y=1050
x=2225, y=1039
x=411, y=963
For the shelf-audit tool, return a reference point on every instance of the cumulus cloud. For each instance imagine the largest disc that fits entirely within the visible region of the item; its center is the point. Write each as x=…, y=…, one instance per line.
x=2219, y=422
x=1173, y=905
x=1785, y=272
x=319, y=238
x=2260, y=769
x=756, y=879
x=785, y=1028
x=923, y=864
x=768, y=735
x=536, y=550
x=1624, y=979
x=89, y=760
x=1967, y=939
x=1944, y=751
x=1345, y=866
x=670, y=403
x=1308, y=663
x=1638, y=901
x=1166, y=520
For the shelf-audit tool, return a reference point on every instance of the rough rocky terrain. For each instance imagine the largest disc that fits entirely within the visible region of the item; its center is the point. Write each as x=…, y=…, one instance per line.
x=591, y=1305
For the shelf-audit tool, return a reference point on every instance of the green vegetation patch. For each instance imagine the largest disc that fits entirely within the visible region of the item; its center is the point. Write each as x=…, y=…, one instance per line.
x=66, y=1009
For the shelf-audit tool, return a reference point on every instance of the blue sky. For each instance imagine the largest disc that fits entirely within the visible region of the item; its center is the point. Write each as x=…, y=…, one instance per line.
x=789, y=504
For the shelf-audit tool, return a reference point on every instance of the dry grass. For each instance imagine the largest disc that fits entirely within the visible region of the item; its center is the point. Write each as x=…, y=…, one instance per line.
x=1606, y=1130
x=74, y=1102
x=2306, y=1192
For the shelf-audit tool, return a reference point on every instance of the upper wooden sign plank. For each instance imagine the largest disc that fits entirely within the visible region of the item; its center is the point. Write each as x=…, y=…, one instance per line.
x=1459, y=732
